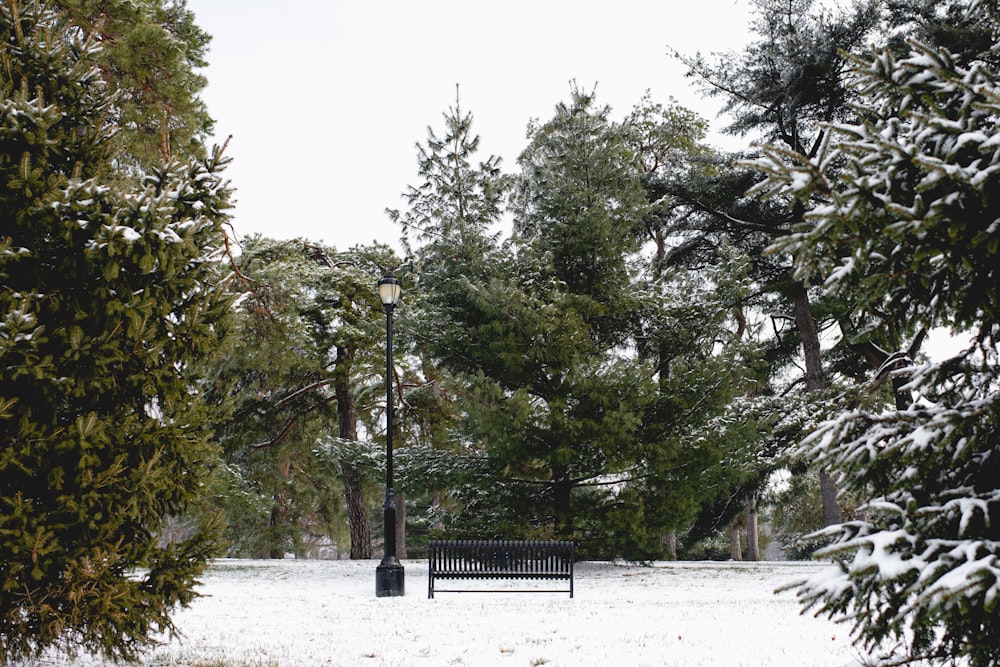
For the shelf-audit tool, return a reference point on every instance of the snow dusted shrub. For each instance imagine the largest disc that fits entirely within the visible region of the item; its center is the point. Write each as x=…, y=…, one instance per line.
x=904, y=225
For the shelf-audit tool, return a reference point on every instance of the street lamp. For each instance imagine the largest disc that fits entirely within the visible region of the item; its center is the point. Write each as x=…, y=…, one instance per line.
x=389, y=579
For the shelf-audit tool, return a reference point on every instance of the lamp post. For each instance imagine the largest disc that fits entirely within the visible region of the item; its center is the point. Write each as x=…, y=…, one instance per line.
x=389, y=578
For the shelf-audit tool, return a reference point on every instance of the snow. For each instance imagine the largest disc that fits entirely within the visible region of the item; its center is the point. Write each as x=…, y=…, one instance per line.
x=168, y=235
x=879, y=550
x=301, y=613
x=127, y=233
x=968, y=508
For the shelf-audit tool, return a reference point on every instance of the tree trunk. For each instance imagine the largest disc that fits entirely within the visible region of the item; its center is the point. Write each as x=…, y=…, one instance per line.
x=276, y=549
x=828, y=492
x=357, y=513
x=670, y=543
x=753, y=543
x=436, y=523
x=562, y=490
x=809, y=332
x=354, y=498
x=806, y=324
x=735, y=549
x=661, y=252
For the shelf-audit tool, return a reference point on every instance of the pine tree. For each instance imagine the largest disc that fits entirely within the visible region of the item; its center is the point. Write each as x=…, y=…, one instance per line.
x=449, y=226
x=945, y=23
x=698, y=337
x=909, y=232
x=567, y=401
x=110, y=297
x=579, y=208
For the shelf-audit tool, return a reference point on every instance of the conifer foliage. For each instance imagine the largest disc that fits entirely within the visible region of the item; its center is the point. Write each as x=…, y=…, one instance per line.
x=109, y=294
x=149, y=55
x=907, y=230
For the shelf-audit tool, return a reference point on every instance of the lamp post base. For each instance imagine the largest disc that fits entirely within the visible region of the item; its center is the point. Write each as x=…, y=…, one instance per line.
x=389, y=578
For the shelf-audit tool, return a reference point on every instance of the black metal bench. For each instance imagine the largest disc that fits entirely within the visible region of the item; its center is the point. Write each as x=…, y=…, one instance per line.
x=499, y=559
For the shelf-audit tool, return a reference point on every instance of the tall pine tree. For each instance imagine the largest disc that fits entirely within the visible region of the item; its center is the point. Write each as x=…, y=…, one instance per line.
x=109, y=296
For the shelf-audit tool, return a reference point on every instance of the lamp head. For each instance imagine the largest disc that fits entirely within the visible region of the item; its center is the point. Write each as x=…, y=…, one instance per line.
x=389, y=289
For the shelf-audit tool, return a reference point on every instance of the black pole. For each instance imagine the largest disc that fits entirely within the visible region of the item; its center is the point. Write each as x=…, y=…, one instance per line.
x=389, y=575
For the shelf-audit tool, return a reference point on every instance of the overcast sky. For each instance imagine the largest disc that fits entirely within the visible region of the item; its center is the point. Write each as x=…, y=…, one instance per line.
x=325, y=99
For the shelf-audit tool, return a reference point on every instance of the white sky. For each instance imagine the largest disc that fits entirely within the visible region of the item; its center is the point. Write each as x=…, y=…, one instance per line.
x=326, y=99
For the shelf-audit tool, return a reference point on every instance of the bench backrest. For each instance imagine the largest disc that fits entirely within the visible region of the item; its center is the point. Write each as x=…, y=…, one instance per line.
x=535, y=559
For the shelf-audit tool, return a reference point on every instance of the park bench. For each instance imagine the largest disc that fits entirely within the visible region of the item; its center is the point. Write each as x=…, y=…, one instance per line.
x=499, y=559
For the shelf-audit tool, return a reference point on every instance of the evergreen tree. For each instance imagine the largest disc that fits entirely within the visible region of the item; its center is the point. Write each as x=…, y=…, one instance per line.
x=909, y=232
x=579, y=208
x=793, y=76
x=274, y=371
x=699, y=338
x=667, y=141
x=449, y=226
x=111, y=297
x=701, y=361
x=945, y=23
x=567, y=395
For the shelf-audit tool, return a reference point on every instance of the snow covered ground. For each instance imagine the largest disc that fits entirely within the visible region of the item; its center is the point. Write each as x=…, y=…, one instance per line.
x=296, y=613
